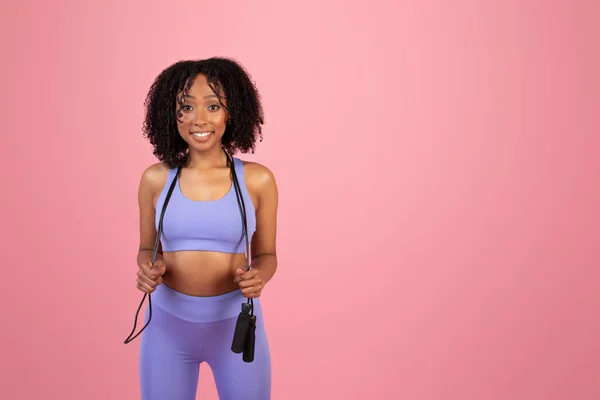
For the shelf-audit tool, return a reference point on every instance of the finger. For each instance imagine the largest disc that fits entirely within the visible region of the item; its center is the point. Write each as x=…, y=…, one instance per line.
x=251, y=289
x=159, y=268
x=250, y=274
x=152, y=273
x=146, y=281
x=251, y=294
x=150, y=280
x=238, y=274
x=155, y=273
x=160, y=265
x=145, y=287
x=251, y=282
x=246, y=275
x=146, y=278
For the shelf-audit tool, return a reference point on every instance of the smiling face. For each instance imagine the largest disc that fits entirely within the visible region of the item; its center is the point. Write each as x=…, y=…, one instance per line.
x=202, y=119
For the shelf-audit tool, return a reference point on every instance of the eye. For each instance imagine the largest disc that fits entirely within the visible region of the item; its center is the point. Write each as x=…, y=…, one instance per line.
x=187, y=108
x=213, y=107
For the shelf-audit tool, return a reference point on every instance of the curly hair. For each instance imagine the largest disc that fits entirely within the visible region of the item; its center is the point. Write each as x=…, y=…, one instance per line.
x=222, y=74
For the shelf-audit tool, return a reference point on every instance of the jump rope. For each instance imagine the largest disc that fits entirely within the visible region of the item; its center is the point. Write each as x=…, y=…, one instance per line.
x=245, y=327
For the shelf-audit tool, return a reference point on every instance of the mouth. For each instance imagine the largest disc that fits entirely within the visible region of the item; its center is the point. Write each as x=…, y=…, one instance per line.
x=201, y=135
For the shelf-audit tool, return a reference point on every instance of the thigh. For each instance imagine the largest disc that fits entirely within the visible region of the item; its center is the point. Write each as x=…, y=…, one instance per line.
x=234, y=378
x=168, y=366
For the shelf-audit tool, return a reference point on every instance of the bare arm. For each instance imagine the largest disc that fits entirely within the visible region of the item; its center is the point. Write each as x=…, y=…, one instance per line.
x=153, y=179
x=264, y=246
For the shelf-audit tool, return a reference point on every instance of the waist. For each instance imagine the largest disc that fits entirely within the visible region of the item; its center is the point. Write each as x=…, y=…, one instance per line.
x=200, y=309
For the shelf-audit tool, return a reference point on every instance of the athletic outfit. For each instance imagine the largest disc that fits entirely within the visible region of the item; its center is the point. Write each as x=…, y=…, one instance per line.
x=188, y=330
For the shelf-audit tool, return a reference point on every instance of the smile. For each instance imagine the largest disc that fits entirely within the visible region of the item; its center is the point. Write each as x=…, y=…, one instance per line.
x=202, y=134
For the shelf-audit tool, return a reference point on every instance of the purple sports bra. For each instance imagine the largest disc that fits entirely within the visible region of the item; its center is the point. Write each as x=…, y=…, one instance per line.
x=205, y=225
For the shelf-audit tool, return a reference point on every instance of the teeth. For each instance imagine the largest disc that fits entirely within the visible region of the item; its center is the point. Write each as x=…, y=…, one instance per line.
x=202, y=135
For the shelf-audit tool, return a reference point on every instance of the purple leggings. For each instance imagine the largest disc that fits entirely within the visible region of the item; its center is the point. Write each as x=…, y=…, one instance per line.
x=186, y=331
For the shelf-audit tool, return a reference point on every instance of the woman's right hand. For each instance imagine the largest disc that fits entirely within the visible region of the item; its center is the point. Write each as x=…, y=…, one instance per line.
x=150, y=276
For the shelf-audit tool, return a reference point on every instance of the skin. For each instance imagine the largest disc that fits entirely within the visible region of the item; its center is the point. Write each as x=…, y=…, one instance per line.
x=206, y=177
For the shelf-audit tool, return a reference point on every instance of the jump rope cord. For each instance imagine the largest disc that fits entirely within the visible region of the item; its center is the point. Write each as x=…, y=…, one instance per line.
x=242, y=208
x=154, y=253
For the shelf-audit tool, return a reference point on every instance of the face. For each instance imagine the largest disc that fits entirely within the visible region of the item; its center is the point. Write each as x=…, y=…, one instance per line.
x=203, y=119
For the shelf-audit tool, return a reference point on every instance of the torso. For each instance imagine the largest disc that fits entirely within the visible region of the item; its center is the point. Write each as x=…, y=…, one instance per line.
x=204, y=272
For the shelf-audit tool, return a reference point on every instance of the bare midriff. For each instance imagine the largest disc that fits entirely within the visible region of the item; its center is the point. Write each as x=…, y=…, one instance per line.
x=202, y=273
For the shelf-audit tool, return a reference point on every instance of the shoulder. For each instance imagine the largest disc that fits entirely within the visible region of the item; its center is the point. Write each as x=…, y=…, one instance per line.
x=258, y=177
x=154, y=177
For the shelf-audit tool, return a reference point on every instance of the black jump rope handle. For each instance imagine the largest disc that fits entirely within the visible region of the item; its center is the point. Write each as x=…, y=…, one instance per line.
x=244, y=335
x=245, y=328
x=248, y=355
x=241, y=330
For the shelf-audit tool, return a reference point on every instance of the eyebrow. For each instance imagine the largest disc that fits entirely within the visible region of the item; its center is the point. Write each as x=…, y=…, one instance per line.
x=206, y=97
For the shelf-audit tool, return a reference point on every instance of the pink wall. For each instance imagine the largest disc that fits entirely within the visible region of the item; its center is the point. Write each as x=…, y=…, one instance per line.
x=438, y=172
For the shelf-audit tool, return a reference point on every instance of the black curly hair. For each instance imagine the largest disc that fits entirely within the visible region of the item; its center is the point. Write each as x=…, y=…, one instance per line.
x=222, y=74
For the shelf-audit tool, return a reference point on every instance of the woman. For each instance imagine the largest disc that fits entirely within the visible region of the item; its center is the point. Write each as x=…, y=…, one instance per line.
x=199, y=113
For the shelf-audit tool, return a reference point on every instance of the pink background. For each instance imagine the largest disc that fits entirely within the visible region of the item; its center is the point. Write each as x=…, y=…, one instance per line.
x=438, y=171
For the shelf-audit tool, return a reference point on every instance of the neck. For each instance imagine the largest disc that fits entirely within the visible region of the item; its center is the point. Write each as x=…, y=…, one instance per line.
x=214, y=157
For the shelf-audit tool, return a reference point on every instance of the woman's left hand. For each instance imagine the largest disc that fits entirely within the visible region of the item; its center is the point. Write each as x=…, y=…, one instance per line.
x=250, y=282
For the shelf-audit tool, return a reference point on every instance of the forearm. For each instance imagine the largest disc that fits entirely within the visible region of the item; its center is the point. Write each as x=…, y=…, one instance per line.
x=266, y=264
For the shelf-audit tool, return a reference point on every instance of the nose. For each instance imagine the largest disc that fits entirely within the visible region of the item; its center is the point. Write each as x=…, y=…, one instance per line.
x=200, y=117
